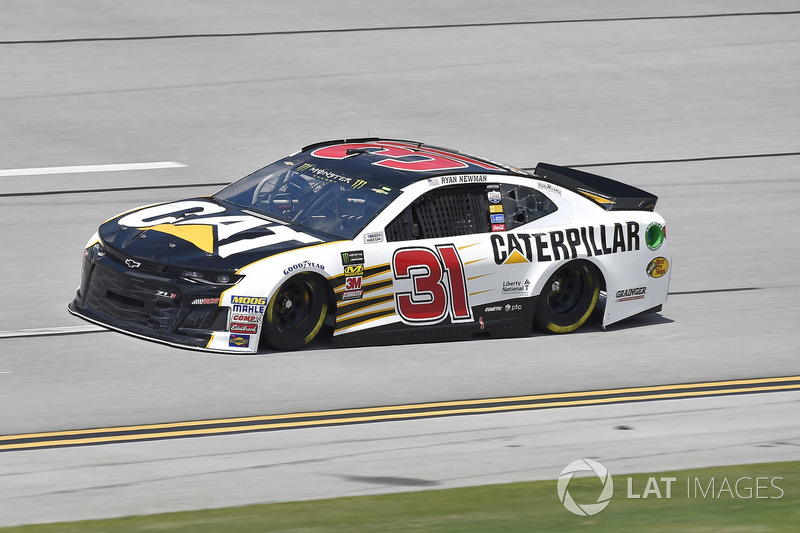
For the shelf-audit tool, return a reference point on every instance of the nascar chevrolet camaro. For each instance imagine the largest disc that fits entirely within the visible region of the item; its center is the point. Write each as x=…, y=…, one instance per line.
x=377, y=241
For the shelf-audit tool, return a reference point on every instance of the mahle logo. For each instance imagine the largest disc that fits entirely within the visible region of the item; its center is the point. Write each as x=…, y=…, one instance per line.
x=585, y=509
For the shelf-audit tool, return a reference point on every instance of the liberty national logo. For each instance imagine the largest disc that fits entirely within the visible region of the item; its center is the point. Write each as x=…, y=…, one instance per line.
x=585, y=509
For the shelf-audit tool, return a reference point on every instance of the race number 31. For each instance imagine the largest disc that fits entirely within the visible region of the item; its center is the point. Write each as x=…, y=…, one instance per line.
x=430, y=285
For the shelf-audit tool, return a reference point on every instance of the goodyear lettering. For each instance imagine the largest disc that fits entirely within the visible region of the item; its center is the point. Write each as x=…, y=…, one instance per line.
x=303, y=266
x=571, y=243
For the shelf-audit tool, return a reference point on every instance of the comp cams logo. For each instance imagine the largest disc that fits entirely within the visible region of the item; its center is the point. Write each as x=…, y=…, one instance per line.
x=585, y=509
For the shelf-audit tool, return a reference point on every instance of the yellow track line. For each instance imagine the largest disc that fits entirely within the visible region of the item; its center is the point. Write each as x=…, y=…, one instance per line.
x=284, y=421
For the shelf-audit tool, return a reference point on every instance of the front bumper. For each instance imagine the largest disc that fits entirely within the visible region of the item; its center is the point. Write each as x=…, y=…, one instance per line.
x=151, y=303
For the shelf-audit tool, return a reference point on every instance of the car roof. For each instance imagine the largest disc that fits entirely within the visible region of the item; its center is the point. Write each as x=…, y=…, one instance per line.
x=399, y=163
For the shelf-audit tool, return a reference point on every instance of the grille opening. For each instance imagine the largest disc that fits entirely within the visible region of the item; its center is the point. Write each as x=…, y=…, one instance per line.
x=124, y=299
x=208, y=318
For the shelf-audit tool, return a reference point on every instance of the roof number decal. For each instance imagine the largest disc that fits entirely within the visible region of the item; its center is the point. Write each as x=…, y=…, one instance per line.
x=403, y=156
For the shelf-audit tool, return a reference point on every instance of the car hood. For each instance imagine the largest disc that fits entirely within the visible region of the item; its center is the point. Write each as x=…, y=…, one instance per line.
x=200, y=233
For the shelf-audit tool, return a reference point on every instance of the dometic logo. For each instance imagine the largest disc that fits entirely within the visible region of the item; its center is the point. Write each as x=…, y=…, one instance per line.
x=586, y=509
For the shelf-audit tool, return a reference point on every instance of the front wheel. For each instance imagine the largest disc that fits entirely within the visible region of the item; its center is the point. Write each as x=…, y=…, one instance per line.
x=568, y=298
x=295, y=313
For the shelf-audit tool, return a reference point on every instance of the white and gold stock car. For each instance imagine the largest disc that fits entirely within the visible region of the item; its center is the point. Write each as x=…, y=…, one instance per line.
x=377, y=241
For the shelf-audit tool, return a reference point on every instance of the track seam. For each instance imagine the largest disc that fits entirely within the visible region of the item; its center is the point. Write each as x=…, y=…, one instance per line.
x=395, y=28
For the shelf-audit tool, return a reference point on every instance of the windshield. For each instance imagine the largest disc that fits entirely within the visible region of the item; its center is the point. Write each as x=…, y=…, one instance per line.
x=303, y=193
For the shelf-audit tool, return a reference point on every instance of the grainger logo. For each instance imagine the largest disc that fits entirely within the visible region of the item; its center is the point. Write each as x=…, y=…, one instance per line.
x=587, y=509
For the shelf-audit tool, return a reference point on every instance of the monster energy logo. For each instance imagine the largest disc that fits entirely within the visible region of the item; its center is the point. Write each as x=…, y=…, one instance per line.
x=350, y=258
x=304, y=166
x=358, y=184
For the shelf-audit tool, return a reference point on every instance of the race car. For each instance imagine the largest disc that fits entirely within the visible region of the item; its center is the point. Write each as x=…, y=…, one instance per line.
x=377, y=241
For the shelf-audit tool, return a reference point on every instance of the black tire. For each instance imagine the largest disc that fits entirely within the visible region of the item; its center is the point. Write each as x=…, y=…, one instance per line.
x=568, y=298
x=295, y=313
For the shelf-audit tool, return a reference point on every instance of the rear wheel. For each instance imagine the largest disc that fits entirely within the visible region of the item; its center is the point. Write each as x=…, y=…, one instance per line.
x=568, y=298
x=295, y=313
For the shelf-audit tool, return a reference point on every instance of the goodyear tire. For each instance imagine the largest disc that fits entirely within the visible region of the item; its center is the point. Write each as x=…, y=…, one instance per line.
x=295, y=313
x=568, y=298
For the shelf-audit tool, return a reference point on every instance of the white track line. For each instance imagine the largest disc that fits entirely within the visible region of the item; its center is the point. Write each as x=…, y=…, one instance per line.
x=89, y=168
x=38, y=332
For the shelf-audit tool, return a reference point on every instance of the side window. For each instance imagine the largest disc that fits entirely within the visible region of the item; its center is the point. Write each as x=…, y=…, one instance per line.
x=521, y=205
x=443, y=212
x=465, y=210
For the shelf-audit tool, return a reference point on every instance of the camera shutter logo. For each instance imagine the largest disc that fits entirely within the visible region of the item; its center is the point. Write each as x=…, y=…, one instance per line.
x=585, y=465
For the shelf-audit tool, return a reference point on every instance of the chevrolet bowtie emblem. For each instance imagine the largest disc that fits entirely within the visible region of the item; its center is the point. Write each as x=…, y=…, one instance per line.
x=132, y=264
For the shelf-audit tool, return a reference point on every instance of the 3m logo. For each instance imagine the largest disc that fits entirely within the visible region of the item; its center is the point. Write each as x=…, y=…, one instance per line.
x=351, y=284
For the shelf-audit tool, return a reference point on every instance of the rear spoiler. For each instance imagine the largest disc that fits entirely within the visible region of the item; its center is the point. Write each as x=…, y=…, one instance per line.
x=609, y=194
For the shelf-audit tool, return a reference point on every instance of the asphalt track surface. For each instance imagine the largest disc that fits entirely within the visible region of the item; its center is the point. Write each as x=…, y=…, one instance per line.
x=695, y=102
